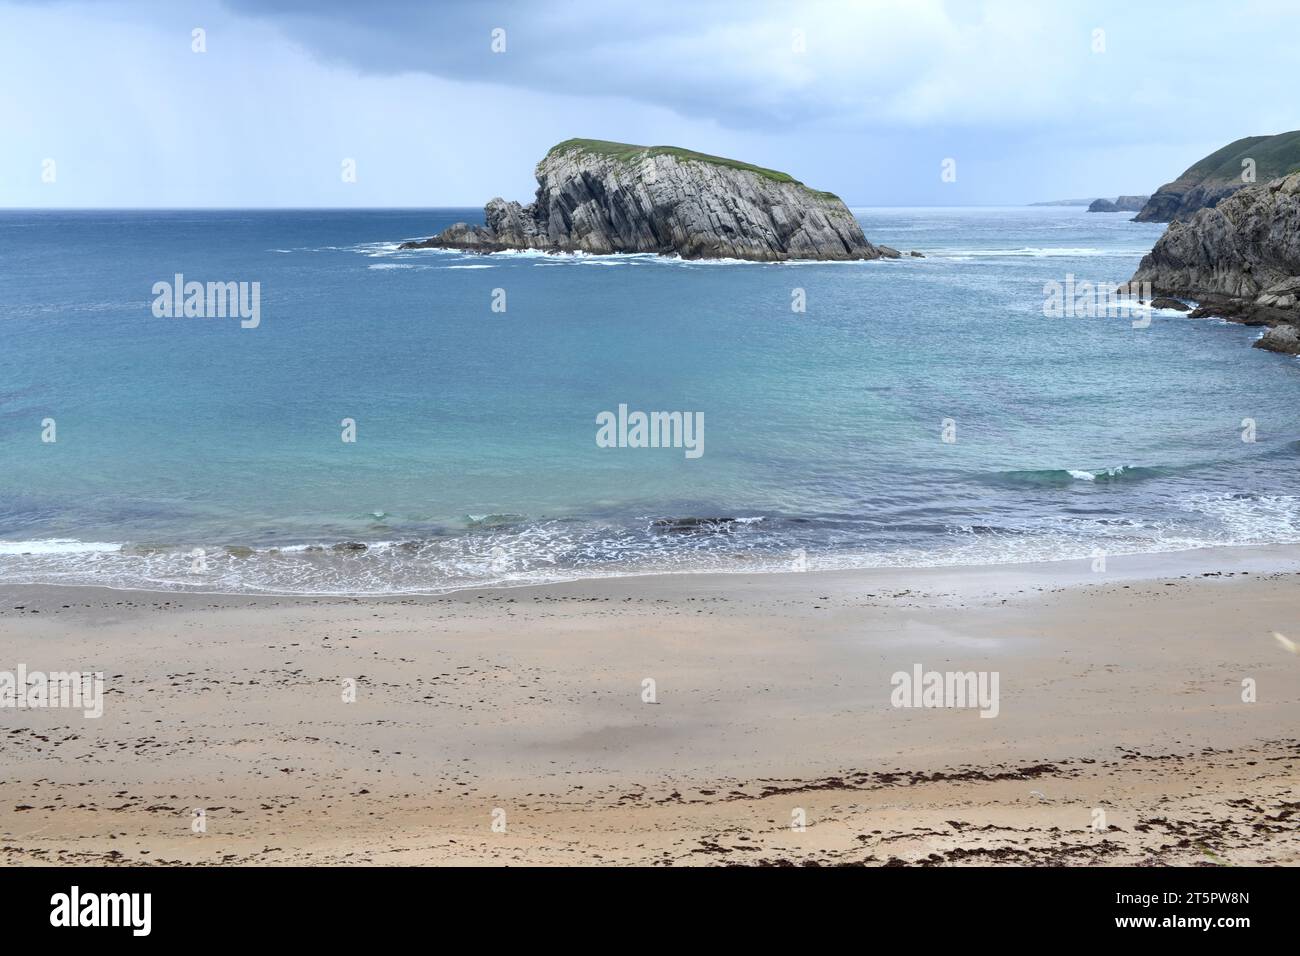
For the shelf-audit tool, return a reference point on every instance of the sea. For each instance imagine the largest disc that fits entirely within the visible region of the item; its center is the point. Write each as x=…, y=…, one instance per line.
x=401, y=422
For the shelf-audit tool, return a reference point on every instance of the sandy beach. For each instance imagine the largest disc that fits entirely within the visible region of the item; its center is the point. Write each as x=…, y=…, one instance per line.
x=1121, y=733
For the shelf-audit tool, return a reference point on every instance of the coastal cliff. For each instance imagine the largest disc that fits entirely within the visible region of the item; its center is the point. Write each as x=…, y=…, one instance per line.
x=601, y=197
x=1240, y=260
x=1122, y=204
x=1216, y=177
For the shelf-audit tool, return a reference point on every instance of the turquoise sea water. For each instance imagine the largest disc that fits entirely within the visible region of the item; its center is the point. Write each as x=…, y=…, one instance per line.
x=476, y=460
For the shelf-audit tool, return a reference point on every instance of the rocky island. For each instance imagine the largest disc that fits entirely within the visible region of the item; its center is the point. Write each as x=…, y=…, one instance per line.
x=1211, y=180
x=1122, y=204
x=1239, y=260
x=601, y=197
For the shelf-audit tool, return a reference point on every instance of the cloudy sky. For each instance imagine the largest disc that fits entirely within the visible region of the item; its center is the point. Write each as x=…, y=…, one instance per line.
x=1033, y=99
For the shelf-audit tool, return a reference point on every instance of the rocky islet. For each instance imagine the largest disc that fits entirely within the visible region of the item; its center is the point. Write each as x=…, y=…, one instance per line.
x=600, y=197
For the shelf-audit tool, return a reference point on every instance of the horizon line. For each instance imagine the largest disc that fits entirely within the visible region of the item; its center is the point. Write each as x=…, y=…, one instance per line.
x=3, y=209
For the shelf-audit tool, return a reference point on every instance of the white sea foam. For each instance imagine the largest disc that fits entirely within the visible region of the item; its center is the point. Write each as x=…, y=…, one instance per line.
x=1257, y=519
x=57, y=546
x=1038, y=252
x=522, y=552
x=1080, y=474
x=374, y=249
x=541, y=257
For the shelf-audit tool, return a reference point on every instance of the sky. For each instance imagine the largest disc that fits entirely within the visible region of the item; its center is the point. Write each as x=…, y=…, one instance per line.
x=111, y=103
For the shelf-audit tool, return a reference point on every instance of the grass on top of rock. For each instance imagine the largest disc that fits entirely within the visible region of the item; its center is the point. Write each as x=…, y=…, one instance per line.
x=630, y=153
x=1273, y=155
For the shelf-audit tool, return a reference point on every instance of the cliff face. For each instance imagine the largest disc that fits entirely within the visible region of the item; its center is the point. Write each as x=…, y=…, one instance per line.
x=599, y=197
x=1179, y=200
x=1122, y=204
x=1216, y=177
x=1240, y=260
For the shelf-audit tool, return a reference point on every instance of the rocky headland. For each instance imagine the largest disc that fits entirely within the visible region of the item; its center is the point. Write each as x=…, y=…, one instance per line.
x=1239, y=260
x=1254, y=159
x=600, y=197
x=1121, y=204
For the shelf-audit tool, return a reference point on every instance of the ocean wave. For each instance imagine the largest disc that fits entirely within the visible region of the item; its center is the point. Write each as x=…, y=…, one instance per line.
x=45, y=546
x=540, y=257
x=1067, y=476
x=694, y=525
x=63, y=308
x=508, y=549
x=372, y=249
x=494, y=519
x=1038, y=252
x=784, y=263
x=1256, y=518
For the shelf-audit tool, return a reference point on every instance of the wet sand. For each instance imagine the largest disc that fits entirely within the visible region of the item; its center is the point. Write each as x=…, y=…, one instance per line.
x=1121, y=734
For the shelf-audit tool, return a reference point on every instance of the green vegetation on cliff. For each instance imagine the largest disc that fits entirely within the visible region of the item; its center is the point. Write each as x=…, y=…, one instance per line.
x=1274, y=156
x=630, y=153
x=1209, y=181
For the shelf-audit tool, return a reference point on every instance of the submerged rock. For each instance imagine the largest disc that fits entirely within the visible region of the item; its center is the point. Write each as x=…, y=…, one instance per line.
x=682, y=525
x=600, y=197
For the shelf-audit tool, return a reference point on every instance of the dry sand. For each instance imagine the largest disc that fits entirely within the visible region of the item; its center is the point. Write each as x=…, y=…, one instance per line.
x=1120, y=694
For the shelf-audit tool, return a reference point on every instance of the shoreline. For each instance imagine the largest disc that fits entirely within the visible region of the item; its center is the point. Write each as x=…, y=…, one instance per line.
x=1120, y=692
x=1137, y=566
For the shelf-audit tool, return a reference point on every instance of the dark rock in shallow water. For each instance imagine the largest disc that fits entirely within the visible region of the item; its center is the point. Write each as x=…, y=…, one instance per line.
x=1240, y=311
x=350, y=546
x=1164, y=302
x=1280, y=338
x=889, y=252
x=1239, y=260
x=465, y=236
x=684, y=525
x=599, y=197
